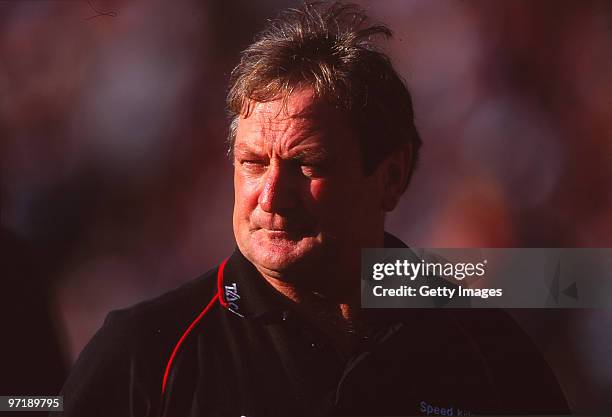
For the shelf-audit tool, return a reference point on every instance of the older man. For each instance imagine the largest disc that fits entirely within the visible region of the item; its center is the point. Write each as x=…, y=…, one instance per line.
x=323, y=145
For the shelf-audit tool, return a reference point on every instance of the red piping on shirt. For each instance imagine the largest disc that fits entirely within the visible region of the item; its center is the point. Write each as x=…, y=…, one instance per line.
x=220, y=284
x=217, y=296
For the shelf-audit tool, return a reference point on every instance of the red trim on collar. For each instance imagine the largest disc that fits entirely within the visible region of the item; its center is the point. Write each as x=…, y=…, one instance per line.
x=217, y=296
x=220, y=292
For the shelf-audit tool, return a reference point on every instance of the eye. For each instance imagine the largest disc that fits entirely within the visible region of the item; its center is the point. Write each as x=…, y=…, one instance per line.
x=312, y=170
x=253, y=165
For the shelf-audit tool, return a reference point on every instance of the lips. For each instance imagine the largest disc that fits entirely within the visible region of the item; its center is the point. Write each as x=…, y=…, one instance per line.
x=289, y=231
x=282, y=224
x=284, y=235
x=285, y=229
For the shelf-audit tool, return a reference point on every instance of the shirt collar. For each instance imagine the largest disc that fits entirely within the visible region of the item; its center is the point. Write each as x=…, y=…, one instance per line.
x=247, y=294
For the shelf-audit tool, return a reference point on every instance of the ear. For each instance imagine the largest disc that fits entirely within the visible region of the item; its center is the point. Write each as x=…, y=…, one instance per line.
x=395, y=176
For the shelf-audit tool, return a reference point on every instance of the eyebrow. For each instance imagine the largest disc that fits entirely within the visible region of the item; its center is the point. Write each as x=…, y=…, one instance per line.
x=245, y=149
x=312, y=154
x=315, y=154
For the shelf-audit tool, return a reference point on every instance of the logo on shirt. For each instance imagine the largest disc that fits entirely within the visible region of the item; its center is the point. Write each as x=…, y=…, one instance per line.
x=232, y=297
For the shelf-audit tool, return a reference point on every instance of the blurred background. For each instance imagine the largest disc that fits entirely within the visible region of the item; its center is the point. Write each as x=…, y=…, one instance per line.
x=115, y=185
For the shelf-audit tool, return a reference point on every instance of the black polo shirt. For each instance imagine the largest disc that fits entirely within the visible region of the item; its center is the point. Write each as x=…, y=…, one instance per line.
x=227, y=344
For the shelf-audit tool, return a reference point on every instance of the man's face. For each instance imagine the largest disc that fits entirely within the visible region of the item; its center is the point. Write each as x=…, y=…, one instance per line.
x=301, y=198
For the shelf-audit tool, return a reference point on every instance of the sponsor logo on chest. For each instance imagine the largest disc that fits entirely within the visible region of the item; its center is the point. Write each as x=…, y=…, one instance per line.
x=232, y=296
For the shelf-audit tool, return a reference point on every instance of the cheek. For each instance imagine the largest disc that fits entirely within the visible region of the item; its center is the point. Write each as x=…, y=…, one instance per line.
x=328, y=198
x=245, y=195
x=318, y=191
x=334, y=202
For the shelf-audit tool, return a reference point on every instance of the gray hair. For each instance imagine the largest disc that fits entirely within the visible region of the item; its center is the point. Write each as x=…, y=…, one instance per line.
x=329, y=48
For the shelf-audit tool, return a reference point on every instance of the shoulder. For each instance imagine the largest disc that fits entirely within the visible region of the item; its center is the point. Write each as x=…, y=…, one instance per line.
x=125, y=360
x=165, y=314
x=149, y=330
x=515, y=363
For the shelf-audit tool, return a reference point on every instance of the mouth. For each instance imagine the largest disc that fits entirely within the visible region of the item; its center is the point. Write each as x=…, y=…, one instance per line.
x=289, y=234
x=279, y=233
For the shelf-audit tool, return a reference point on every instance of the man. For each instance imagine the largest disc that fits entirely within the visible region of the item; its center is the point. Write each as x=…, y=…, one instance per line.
x=323, y=145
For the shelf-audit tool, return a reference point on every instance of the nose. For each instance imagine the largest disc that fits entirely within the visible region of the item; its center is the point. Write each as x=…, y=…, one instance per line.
x=279, y=191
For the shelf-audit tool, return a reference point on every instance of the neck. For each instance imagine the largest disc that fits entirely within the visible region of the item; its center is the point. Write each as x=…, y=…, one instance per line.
x=335, y=287
x=345, y=303
x=329, y=295
x=334, y=310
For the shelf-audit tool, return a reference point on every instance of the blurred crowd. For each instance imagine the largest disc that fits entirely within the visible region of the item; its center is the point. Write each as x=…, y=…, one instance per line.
x=116, y=185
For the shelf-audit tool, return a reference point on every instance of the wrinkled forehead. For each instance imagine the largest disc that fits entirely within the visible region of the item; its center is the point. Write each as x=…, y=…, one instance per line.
x=297, y=117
